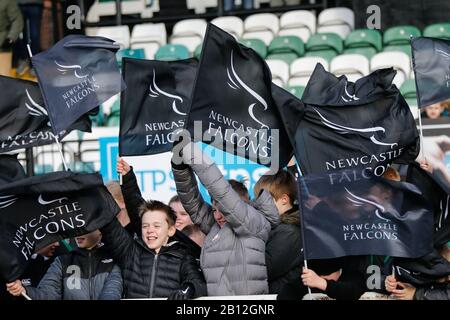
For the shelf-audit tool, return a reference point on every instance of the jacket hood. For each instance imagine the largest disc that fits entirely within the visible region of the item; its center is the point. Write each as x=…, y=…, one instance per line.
x=265, y=204
x=292, y=216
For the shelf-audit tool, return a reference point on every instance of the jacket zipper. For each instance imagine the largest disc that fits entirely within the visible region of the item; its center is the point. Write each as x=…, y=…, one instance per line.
x=152, y=278
x=90, y=277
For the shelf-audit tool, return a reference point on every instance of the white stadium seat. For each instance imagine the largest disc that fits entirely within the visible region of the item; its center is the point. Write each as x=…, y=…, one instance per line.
x=302, y=68
x=108, y=8
x=300, y=23
x=120, y=34
x=280, y=72
x=232, y=25
x=199, y=6
x=337, y=20
x=264, y=26
x=189, y=32
x=398, y=60
x=354, y=66
x=149, y=36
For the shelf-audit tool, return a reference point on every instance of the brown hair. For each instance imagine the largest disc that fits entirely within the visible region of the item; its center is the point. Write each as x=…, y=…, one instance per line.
x=240, y=189
x=283, y=182
x=175, y=198
x=158, y=206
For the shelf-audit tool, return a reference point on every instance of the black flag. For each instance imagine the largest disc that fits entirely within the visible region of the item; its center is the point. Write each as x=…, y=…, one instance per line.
x=24, y=120
x=155, y=104
x=437, y=192
x=348, y=213
x=431, y=63
x=37, y=211
x=10, y=169
x=232, y=99
x=76, y=75
x=343, y=125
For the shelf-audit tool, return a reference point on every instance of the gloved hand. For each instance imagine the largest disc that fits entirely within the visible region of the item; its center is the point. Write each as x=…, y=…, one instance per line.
x=186, y=293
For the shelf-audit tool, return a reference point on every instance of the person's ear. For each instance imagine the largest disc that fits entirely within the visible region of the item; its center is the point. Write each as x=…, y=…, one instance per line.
x=172, y=231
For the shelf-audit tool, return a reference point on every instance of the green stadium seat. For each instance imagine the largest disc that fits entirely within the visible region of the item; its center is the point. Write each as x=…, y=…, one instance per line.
x=406, y=48
x=296, y=91
x=287, y=44
x=400, y=35
x=98, y=120
x=362, y=38
x=369, y=52
x=80, y=166
x=286, y=57
x=408, y=89
x=257, y=45
x=171, y=52
x=438, y=30
x=40, y=169
x=129, y=53
x=325, y=41
x=326, y=54
x=198, y=51
x=113, y=121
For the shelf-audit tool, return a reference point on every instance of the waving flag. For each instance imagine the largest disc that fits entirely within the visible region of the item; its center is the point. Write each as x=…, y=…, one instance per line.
x=343, y=125
x=24, y=120
x=76, y=75
x=349, y=213
x=155, y=105
x=40, y=210
x=232, y=102
x=431, y=63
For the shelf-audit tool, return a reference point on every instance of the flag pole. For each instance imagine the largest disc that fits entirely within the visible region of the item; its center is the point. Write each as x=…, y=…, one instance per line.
x=56, y=136
x=421, y=135
x=26, y=296
x=305, y=262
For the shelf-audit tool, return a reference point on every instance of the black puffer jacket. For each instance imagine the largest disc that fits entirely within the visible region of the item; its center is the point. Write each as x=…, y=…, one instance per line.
x=284, y=256
x=150, y=275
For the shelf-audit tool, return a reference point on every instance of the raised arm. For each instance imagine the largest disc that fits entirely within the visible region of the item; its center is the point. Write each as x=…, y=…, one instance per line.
x=118, y=241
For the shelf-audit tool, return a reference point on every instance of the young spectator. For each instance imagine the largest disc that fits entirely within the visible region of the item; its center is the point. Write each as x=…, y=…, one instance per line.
x=439, y=290
x=87, y=273
x=284, y=248
x=233, y=255
x=434, y=111
x=11, y=25
x=183, y=218
x=152, y=266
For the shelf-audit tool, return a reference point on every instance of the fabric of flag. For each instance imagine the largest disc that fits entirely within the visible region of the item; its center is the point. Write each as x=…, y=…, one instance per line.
x=431, y=64
x=40, y=210
x=155, y=105
x=76, y=75
x=348, y=213
x=232, y=102
x=342, y=125
x=24, y=120
x=10, y=169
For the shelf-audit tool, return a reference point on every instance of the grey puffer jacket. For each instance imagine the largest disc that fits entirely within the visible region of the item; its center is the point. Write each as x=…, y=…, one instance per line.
x=232, y=257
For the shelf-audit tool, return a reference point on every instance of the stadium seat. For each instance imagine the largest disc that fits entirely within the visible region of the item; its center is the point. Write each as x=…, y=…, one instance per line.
x=120, y=34
x=114, y=116
x=171, y=52
x=102, y=8
x=280, y=72
x=189, y=32
x=257, y=45
x=264, y=26
x=325, y=54
x=408, y=91
x=232, y=25
x=40, y=169
x=354, y=66
x=296, y=91
x=438, y=30
x=80, y=166
x=129, y=53
x=368, y=52
x=199, y=6
x=406, y=48
x=300, y=23
x=340, y=21
x=302, y=68
x=400, y=35
x=364, y=38
x=286, y=48
x=398, y=60
x=98, y=120
x=149, y=36
x=198, y=51
x=325, y=41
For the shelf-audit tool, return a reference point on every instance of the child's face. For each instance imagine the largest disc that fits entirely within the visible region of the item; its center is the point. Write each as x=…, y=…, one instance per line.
x=218, y=216
x=90, y=240
x=434, y=111
x=156, y=230
x=183, y=218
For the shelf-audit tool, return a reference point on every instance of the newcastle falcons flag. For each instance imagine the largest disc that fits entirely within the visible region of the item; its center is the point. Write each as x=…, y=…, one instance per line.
x=437, y=192
x=431, y=63
x=10, y=169
x=76, y=75
x=349, y=213
x=343, y=125
x=155, y=105
x=37, y=211
x=24, y=119
x=232, y=102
